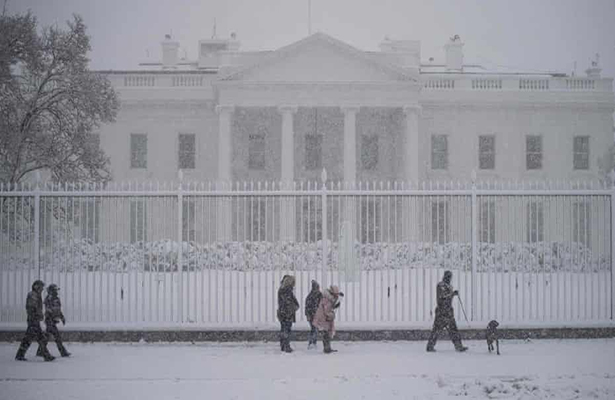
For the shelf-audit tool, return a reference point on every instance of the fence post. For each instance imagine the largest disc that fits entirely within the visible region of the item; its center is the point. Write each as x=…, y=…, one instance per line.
x=37, y=224
x=473, y=276
x=180, y=241
x=323, y=178
x=613, y=245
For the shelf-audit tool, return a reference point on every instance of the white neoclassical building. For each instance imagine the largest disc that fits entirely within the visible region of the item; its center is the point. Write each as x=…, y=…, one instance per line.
x=387, y=115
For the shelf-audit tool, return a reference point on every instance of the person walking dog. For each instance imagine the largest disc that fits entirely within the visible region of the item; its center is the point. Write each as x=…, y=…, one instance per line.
x=445, y=316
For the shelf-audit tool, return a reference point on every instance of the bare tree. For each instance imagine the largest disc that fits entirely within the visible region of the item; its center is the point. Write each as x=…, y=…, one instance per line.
x=50, y=102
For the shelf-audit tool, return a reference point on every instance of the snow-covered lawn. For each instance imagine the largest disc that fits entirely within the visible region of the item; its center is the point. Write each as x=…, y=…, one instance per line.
x=558, y=369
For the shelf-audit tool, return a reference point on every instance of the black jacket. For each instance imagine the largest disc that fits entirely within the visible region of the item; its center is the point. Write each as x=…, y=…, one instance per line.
x=53, y=309
x=444, y=293
x=311, y=303
x=34, y=307
x=287, y=304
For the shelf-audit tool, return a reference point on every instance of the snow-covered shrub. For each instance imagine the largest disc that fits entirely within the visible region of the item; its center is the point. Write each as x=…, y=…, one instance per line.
x=162, y=255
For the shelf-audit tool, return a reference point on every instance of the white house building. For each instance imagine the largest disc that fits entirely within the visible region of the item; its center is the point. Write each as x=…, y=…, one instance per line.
x=284, y=115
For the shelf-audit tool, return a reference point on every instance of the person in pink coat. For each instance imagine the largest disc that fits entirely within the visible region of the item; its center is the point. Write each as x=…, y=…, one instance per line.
x=324, y=319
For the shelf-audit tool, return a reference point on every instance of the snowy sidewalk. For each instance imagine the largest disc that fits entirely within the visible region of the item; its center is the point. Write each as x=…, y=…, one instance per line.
x=561, y=369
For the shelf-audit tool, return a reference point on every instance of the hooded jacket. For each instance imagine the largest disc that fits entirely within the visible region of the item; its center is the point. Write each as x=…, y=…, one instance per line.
x=312, y=301
x=325, y=313
x=287, y=302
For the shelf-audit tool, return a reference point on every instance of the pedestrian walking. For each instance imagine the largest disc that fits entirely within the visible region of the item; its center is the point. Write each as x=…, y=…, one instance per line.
x=34, y=310
x=53, y=316
x=324, y=319
x=445, y=316
x=287, y=307
x=311, y=305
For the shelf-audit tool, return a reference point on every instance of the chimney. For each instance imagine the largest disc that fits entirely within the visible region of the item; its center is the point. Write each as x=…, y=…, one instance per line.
x=594, y=69
x=169, y=52
x=454, y=54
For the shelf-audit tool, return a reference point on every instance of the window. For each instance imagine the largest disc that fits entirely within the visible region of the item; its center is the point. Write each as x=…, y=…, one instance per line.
x=535, y=222
x=138, y=150
x=486, y=152
x=256, y=219
x=439, y=151
x=581, y=152
x=486, y=211
x=371, y=220
x=581, y=218
x=256, y=150
x=313, y=151
x=138, y=221
x=187, y=151
x=188, y=220
x=533, y=152
x=369, y=152
x=440, y=222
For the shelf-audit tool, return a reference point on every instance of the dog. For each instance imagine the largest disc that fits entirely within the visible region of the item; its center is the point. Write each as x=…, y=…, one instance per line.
x=492, y=336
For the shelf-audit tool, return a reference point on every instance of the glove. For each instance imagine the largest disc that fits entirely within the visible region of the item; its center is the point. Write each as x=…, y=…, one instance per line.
x=456, y=293
x=63, y=321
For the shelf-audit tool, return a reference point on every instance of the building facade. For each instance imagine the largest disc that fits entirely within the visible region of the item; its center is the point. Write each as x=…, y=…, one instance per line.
x=284, y=115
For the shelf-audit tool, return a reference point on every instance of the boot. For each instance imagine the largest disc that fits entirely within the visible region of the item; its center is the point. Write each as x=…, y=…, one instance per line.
x=431, y=349
x=49, y=357
x=62, y=350
x=461, y=348
x=21, y=355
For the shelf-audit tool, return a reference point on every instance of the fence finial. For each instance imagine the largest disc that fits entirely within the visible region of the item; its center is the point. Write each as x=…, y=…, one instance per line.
x=323, y=175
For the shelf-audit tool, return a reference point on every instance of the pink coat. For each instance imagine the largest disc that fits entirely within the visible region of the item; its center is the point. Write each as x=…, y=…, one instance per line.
x=324, y=319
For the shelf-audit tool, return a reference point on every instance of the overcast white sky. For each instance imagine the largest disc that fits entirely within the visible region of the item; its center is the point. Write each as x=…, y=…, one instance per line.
x=521, y=34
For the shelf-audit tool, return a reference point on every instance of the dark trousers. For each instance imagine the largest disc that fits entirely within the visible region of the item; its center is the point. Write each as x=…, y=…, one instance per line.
x=326, y=341
x=313, y=335
x=33, y=333
x=285, y=327
x=444, y=320
x=52, y=330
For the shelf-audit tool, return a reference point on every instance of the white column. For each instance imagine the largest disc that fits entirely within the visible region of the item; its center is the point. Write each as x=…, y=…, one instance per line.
x=224, y=142
x=287, y=205
x=412, y=153
x=288, y=143
x=350, y=143
x=349, y=227
x=223, y=208
x=411, y=143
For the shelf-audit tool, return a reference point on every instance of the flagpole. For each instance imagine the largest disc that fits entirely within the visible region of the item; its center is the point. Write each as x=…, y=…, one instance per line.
x=309, y=17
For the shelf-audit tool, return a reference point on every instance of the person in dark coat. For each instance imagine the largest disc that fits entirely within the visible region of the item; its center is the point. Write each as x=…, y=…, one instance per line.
x=287, y=307
x=34, y=309
x=311, y=305
x=53, y=316
x=445, y=317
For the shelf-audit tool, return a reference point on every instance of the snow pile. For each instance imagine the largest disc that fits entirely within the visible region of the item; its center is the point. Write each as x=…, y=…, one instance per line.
x=300, y=256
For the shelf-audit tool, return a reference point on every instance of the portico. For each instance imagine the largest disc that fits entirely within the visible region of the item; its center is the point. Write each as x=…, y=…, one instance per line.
x=318, y=72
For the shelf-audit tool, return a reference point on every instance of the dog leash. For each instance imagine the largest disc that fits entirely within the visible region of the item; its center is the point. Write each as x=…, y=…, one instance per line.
x=464, y=311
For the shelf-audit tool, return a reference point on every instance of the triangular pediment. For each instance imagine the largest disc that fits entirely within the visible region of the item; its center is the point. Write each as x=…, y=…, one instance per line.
x=319, y=58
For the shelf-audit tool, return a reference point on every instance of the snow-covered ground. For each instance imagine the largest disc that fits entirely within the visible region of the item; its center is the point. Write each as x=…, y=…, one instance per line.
x=557, y=369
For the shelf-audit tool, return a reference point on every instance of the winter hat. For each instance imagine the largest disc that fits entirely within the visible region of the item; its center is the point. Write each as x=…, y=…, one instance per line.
x=315, y=285
x=38, y=282
x=334, y=289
